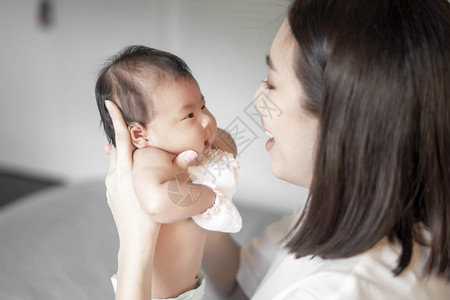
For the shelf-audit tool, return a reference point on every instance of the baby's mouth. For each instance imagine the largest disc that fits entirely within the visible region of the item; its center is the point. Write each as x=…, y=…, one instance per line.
x=207, y=146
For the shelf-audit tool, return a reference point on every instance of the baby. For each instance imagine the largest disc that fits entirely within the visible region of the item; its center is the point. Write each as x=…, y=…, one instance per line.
x=166, y=115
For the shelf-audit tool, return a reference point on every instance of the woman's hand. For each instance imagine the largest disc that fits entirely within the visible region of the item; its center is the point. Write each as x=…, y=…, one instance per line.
x=128, y=215
x=129, y=218
x=137, y=232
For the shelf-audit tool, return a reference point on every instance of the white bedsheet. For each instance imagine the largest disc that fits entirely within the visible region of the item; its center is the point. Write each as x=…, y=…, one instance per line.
x=61, y=244
x=58, y=244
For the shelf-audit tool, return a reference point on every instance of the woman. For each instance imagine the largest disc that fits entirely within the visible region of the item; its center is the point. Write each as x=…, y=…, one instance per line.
x=364, y=90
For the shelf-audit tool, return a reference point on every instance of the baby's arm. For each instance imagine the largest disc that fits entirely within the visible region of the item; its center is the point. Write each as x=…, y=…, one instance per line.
x=219, y=171
x=166, y=195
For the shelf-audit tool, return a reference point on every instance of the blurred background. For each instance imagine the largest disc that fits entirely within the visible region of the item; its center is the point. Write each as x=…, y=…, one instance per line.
x=51, y=52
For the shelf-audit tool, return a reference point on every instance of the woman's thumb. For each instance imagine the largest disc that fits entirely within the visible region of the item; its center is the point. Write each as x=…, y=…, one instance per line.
x=185, y=159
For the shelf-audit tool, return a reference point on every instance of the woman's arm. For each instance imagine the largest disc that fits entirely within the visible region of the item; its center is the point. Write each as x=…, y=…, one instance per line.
x=137, y=232
x=221, y=256
x=221, y=263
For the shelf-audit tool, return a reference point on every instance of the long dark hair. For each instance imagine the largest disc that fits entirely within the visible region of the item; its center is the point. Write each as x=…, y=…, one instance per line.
x=377, y=76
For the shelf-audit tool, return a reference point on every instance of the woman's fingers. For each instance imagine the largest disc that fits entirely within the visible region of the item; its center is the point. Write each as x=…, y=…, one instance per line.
x=110, y=178
x=112, y=160
x=122, y=137
x=185, y=159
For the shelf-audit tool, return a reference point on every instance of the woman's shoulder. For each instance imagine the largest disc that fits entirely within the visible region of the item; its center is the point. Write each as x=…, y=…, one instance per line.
x=370, y=276
x=366, y=276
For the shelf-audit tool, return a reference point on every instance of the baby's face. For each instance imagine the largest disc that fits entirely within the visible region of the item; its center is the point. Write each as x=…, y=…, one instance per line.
x=181, y=121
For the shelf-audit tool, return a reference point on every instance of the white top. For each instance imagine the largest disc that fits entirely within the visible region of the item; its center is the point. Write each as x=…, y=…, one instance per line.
x=267, y=271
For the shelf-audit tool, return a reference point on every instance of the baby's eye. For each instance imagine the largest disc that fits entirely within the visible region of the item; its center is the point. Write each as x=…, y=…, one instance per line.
x=190, y=116
x=203, y=107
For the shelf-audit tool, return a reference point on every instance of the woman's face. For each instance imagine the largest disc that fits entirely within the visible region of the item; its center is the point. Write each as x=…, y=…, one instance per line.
x=293, y=133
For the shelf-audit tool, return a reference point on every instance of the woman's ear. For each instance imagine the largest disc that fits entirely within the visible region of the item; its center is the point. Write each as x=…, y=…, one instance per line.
x=138, y=135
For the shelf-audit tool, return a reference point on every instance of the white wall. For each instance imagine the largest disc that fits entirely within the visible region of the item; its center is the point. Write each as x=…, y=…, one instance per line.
x=49, y=122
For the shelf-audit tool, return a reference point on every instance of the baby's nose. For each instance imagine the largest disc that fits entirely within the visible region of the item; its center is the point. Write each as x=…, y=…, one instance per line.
x=206, y=121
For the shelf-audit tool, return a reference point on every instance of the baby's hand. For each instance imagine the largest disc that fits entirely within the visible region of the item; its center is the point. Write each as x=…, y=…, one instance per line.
x=218, y=170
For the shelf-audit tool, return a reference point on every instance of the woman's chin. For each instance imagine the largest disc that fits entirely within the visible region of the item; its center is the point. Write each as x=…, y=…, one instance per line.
x=279, y=171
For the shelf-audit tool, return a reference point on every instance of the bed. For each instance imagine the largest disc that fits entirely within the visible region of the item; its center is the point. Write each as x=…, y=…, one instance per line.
x=61, y=243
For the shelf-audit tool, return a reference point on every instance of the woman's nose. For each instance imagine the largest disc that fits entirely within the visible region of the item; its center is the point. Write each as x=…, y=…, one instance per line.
x=255, y=97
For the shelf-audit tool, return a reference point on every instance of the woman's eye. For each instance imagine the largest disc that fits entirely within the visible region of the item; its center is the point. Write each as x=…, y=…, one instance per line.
x=267, y=85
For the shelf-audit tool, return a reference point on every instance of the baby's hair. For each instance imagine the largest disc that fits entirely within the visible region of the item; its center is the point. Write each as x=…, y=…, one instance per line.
x=130, y=79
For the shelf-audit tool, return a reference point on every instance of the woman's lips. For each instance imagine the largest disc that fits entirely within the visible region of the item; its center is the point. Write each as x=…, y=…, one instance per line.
x=270, y=142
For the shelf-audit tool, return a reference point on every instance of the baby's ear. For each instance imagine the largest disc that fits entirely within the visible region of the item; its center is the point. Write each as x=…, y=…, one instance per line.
x=138, y=135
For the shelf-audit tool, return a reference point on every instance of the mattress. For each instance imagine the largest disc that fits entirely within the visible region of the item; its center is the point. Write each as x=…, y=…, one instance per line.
x=61, y=243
